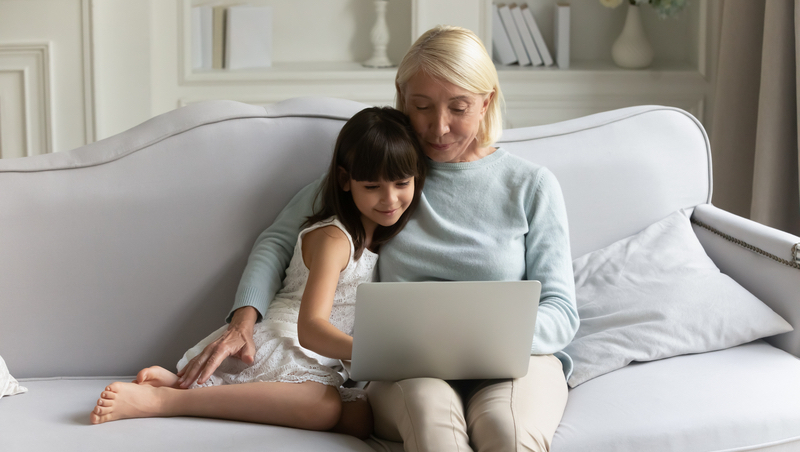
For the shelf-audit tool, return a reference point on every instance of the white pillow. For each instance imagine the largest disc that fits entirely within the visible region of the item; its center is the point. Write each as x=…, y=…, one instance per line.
x=8, y=384
x=655, y=295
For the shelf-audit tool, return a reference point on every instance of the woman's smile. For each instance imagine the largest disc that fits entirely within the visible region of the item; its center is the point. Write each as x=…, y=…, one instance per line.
x=439, y=147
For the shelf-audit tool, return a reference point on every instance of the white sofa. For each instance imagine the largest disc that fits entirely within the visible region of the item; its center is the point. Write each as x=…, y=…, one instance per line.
x=125, y=252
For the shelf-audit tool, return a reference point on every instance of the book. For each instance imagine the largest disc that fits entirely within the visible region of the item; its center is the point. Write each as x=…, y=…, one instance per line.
x=248, y=37
x=527, y=37
x=513, y=34
x=547, y=58
x=201, y=37
x=218, y=42
x=561, y=35
x=501, y=45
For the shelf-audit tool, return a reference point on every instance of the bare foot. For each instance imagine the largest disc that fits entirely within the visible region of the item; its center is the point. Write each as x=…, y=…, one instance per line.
x=156, y=376
x=128, y=400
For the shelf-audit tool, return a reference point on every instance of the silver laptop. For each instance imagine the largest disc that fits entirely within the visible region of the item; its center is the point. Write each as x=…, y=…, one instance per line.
x=447, y=330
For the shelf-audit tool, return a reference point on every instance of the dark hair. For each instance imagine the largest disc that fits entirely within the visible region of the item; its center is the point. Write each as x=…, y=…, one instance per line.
x=376, y=143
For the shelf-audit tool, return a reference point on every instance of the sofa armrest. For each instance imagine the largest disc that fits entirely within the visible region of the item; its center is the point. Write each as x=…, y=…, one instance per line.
x=762, y=259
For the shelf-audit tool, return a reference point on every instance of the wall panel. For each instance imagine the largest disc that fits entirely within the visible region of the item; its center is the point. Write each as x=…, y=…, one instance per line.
x=25, y=109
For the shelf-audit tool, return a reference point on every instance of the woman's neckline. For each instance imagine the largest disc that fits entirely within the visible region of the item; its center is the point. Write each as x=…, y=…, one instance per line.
x=487, y=160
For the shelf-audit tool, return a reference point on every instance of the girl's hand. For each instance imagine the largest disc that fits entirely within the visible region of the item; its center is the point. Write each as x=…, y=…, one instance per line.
x=237, y=341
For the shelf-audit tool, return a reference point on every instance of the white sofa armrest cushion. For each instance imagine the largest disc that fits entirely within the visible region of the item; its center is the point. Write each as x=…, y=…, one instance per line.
x=776, y=284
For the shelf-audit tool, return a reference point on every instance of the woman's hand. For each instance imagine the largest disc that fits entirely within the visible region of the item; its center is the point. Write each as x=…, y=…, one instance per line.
x=237, y=341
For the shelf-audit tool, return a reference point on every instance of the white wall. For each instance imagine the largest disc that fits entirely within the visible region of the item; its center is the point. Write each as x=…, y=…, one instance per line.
x=122, y=64
x=45, y=76
x=107, y=65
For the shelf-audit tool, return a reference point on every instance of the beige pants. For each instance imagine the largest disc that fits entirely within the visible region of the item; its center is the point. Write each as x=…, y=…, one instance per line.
x=429, y=415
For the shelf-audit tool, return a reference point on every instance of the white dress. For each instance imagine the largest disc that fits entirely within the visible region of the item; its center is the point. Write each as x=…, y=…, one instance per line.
x=279, y=355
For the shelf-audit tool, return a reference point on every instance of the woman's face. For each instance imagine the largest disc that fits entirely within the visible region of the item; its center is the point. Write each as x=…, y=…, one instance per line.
x=446, y=118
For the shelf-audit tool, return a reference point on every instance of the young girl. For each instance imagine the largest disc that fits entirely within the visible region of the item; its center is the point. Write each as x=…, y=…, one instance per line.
x=372, y=187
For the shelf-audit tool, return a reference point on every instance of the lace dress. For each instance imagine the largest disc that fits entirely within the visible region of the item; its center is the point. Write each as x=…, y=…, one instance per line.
x=279, y=355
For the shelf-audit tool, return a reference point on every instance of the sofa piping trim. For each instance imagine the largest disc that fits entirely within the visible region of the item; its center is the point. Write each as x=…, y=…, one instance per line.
x=170, y=135
x=795, y=249
x=758, y=447
x=102, y=377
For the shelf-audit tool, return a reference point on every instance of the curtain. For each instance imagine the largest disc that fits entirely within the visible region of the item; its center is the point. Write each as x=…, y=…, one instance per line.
x=754, y=135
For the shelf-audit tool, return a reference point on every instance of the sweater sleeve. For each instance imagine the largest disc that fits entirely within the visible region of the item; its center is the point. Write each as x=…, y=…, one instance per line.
x=548, y=260
x=271, y=253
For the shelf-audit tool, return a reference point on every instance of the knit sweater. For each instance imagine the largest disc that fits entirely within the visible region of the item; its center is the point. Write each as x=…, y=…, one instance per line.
x=497, y=218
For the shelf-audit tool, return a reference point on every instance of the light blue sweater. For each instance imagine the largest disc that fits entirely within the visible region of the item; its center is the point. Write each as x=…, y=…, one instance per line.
x=498, y=218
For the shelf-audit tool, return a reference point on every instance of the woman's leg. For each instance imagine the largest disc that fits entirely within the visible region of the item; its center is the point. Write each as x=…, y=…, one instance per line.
x=307, y=405
x=425, y=413
x=520, y=414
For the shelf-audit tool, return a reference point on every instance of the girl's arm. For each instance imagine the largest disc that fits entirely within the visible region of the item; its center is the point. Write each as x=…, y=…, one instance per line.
x=326, y=252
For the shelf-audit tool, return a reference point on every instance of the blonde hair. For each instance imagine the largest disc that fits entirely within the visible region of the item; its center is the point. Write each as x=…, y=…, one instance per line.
x=457, y=56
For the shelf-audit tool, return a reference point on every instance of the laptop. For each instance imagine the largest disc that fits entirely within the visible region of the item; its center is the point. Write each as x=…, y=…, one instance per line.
x=447, y=330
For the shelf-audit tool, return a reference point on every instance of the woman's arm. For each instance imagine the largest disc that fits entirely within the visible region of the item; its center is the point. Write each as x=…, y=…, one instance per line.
x=271, y=253
x=549, y=261
x=261, y=280
x=326, y=252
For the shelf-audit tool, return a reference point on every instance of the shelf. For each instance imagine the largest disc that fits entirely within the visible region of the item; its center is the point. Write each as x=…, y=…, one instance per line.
x=599, y=66
x=534, y=95
x=355, y=72
x=295, y=72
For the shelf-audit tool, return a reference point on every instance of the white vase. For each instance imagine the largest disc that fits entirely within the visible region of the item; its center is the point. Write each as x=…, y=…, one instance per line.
x=632, y=50
x=379, y=37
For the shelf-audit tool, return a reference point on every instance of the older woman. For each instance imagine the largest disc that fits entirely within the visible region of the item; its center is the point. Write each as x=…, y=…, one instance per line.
x=484, y=215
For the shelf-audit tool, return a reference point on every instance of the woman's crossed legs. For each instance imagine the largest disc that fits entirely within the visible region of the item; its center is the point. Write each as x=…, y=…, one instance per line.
x=429, y=414
x=308, y=405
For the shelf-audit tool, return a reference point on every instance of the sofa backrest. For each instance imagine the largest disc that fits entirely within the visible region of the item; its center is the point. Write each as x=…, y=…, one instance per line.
x=125, y=252
x=621, y=170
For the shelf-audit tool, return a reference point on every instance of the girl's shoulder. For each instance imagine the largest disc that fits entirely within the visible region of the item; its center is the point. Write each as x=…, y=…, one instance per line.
x=325, y=233
x=331, y=227
x=326, y=238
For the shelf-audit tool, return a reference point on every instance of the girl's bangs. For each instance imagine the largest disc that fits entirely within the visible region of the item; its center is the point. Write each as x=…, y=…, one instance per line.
x=390, y=161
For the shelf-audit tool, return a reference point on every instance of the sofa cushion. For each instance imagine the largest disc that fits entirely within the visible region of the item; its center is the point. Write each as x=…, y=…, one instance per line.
x=655, y=295
x=54, y=415
x=743, y=398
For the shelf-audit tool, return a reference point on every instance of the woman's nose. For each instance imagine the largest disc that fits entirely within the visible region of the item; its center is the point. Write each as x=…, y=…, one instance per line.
x=441, y=123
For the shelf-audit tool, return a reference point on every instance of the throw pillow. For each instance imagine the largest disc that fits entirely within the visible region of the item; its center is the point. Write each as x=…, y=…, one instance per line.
x=8, y=384
x=655, y=295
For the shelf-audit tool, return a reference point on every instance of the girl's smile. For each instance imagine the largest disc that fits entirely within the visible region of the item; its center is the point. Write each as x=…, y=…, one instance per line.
x=381, y=202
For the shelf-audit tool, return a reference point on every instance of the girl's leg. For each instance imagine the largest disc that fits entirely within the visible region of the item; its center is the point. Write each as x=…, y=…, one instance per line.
x=156, y=376
x=356, y=419
x=307, y=405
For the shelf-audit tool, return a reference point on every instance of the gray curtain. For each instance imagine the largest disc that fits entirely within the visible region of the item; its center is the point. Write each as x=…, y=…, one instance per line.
x=754, y=136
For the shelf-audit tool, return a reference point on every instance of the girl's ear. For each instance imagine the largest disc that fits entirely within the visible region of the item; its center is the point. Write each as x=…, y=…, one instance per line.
x=343, y=178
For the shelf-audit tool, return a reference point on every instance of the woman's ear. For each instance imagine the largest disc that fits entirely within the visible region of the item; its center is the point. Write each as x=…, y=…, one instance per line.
x=343, y=178
x=486, y=102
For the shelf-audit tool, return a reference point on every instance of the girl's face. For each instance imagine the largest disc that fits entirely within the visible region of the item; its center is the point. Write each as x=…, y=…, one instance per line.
x=381, y=202
x=445, y=117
